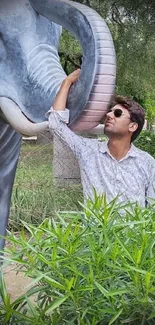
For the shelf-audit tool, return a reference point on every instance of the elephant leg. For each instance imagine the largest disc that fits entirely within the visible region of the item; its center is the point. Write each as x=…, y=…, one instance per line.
x=10, y=142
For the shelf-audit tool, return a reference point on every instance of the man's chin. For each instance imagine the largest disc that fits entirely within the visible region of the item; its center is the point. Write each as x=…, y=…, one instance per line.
x=107, y=131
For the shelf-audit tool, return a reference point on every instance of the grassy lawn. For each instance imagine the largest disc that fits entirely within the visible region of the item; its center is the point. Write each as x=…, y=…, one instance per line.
x=34, y=194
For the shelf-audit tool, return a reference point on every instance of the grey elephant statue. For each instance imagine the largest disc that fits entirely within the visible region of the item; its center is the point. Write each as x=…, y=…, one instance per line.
x=31, y=74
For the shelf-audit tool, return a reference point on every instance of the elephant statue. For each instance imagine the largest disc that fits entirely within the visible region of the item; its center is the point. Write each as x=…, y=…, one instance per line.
x=31, y=75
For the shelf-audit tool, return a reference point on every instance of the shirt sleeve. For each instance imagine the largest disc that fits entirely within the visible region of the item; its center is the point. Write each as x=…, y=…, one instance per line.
x=58, y=125
x=150, y=191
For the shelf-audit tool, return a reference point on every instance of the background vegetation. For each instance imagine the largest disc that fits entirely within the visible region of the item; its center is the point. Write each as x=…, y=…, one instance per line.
x=34, y=194
x=146, y=142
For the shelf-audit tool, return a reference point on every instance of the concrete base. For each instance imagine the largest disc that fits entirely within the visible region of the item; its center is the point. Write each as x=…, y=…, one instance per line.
x=66, y=170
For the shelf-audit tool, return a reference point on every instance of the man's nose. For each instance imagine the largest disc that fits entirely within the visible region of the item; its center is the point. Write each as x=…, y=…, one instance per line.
x=110, y=114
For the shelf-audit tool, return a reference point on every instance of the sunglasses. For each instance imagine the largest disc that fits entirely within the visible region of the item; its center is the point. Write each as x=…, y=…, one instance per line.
x=117, y=112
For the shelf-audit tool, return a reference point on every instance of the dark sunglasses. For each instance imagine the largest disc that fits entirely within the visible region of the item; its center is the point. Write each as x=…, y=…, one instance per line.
x=117, y=112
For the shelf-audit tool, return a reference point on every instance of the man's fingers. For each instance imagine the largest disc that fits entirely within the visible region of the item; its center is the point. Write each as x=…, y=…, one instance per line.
x=74, y=75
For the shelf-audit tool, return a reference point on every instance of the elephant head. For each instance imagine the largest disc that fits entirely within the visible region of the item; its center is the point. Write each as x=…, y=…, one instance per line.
x=30, y=71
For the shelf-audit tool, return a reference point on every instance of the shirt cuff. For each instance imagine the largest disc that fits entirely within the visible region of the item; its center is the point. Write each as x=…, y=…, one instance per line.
x=64, y=115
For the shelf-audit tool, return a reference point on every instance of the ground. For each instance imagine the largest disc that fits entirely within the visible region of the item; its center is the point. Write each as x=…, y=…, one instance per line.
x=16, y=283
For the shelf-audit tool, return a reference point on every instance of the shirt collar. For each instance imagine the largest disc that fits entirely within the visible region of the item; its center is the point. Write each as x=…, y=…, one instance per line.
x=103, y=147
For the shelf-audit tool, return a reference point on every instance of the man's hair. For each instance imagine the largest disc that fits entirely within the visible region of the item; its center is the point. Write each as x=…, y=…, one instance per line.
x=137, y=113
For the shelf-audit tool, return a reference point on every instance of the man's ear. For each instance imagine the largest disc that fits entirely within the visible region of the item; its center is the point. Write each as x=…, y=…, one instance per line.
x=133, y=127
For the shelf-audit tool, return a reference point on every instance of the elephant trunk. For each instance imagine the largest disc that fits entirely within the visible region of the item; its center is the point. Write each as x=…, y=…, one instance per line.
x=89, y=98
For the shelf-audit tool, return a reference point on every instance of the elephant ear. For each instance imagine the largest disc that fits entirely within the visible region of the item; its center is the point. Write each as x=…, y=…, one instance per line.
x=89, y=98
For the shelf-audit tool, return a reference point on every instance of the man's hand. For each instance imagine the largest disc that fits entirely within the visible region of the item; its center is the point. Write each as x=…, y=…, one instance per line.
x=61, y=97
x=72, y=77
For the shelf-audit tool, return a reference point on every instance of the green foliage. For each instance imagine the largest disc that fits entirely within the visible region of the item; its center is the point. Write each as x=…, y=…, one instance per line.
x=14, y=313
x=34, y=194
x=70, y=52
x=90, y=268
x=149, y=105
x=146, y=142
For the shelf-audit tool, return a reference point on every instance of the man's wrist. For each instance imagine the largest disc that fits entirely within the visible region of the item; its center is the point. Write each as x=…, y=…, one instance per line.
x=66, y=83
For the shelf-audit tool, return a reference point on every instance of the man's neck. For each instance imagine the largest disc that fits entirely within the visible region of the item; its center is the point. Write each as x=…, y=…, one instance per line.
x=118, y=148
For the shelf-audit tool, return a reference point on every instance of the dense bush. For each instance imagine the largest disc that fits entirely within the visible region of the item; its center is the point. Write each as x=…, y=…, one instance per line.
x=97, y=267
x=146, y=142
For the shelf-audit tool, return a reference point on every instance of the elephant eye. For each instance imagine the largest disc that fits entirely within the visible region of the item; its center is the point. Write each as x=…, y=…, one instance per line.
x=1, y=36
x=2, y=48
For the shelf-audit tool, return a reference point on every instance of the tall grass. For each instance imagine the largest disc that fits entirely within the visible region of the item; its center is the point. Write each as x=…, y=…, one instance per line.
x=34, y=194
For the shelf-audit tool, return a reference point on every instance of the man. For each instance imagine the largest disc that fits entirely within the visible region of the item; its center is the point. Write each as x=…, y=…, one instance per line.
x=115, y=167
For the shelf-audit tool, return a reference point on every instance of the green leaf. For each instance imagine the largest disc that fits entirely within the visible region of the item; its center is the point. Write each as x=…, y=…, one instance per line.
x=103, y=290
x=115, y=317
x=55, y=305
x=125, y=249
x=53, y=282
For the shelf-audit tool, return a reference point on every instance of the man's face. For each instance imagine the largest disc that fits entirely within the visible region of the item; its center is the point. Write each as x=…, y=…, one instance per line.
x=118, y=123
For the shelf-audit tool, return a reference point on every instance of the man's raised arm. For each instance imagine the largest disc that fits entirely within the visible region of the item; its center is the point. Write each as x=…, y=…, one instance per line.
x=58, y=116
x=61, y=97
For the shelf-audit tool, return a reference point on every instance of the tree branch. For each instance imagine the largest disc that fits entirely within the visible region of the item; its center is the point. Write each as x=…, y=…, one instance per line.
x=72, y=59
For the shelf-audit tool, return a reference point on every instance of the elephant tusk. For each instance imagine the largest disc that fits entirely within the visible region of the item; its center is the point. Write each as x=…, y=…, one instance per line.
x=18, y=121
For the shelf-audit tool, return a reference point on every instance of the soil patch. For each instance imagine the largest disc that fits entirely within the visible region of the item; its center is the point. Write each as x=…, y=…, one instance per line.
x=16, y=282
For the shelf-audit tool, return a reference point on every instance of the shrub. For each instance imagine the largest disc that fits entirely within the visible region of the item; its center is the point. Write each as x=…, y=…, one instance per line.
x=146, y=142
x=93, y=268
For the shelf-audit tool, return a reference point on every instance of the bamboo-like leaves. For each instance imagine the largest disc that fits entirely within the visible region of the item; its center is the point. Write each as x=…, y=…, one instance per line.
x=96, y=267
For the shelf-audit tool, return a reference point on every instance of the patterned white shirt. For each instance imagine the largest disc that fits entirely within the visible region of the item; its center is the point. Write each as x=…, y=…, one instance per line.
x=132, y=178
